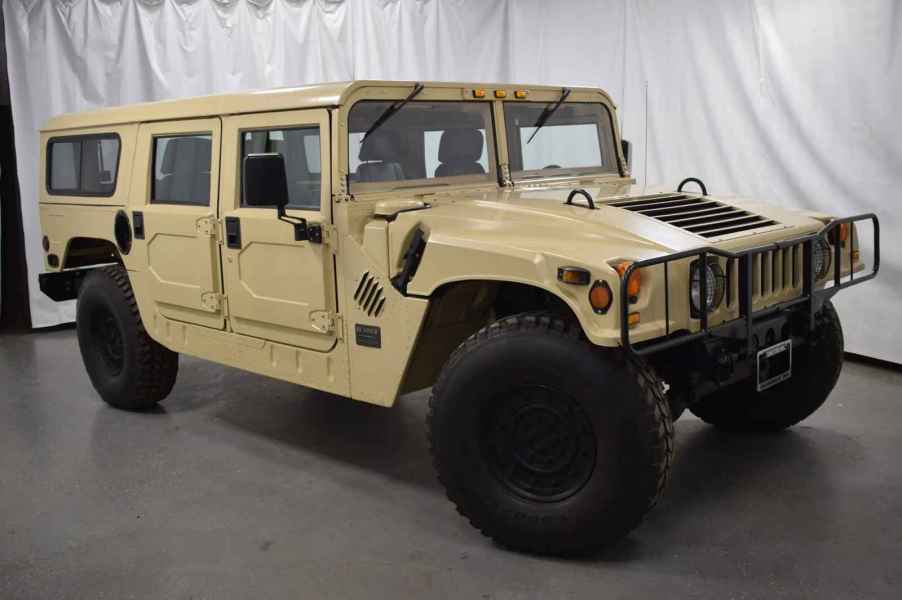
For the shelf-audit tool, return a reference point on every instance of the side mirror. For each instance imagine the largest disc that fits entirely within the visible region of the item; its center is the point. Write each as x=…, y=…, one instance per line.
x=264, y=181
x=627, y=148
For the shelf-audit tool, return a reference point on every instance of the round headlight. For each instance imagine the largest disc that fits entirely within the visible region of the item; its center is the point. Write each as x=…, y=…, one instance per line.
x=822, y=258
x=714, y=286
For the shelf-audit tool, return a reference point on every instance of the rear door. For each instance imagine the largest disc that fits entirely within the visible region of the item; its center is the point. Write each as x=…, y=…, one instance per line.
x=279, y=288
x=177, y=174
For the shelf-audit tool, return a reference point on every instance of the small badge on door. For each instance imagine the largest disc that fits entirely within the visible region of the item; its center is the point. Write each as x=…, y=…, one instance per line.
x=368, y=335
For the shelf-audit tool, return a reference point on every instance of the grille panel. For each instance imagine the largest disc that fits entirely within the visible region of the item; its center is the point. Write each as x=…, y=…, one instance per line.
x=707, y=218
x=369, y=295
x=776, y=274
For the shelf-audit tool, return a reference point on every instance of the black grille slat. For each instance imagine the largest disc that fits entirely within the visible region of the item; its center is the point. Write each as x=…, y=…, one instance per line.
x=680, y=219
x=717, y=232
x=724, y=215
x=661, y=212
x=720, y=224
x=695, y=214
x=369, y=295
x=371, y=304
x=639, y=204
x=363, y=281
x=660, y=203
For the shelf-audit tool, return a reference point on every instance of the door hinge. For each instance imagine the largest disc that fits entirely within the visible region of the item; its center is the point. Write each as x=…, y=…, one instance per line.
x=328, y=234
x=326, y=322
x=214, y=302
x=208, y=226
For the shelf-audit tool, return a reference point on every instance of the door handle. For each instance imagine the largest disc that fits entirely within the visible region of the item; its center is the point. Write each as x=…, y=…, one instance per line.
x=233, y=232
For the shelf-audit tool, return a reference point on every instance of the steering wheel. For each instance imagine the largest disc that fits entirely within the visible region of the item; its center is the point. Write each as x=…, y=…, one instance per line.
x=551, y=167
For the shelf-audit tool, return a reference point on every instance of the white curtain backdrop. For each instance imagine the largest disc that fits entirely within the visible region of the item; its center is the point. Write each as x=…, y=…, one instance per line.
x=792, y=101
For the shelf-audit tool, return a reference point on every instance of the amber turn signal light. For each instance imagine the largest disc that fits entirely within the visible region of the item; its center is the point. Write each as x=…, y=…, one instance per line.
x=500, y=93
x=632, y=319
x=520, y=94
x=573, y=275
x=634, y=284
x=479, y=93
x=841, y=233
x=600, y=297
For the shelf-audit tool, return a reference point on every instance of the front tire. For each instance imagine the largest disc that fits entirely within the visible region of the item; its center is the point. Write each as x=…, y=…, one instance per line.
x=815, y=370
x=545, y=444
x=128, y=369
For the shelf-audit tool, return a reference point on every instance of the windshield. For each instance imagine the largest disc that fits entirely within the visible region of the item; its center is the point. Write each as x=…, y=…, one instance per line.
x=423, y=143
x=576, y=140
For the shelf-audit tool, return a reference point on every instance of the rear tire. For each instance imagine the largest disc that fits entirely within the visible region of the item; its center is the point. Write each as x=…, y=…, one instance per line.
x=815, y=370
x=544, y=443
x=128, y=369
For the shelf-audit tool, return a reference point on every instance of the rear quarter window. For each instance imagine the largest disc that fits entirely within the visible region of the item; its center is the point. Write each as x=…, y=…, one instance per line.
x=83, y=165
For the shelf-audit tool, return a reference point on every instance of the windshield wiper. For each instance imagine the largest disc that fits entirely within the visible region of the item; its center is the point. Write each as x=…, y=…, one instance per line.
x=391, y=110
x=549, y=110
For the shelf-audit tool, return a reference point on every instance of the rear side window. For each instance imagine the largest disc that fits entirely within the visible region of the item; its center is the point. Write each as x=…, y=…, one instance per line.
x=83, y=165
x=181, y=169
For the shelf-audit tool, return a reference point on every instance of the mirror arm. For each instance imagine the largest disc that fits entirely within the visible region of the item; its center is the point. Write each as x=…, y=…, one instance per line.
x=299, y=224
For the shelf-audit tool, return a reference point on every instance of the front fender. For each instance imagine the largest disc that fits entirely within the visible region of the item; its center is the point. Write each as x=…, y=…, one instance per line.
x=446, y=260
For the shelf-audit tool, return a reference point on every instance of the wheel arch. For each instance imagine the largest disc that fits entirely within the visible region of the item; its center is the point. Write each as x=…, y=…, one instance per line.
x=458, y=309
x=84, y=251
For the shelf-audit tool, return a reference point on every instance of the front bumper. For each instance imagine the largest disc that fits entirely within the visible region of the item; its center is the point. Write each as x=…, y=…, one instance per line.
x=747, y=328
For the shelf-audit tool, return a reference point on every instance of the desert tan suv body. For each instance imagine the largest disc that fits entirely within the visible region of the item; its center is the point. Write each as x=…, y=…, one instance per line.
x=328, y=315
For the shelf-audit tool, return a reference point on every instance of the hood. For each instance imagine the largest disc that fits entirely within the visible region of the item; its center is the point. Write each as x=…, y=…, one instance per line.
x=631, y=225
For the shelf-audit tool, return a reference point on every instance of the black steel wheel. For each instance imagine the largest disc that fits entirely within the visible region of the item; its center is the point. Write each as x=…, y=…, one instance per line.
x=106, y=336
x=538, y=442
x=546, y=443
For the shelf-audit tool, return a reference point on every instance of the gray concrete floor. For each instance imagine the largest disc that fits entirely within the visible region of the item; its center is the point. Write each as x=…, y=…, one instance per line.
x=244, y=487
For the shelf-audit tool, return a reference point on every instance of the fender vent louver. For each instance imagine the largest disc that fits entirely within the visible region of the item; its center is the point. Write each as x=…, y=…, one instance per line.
x=707, y=218
x=369, y=295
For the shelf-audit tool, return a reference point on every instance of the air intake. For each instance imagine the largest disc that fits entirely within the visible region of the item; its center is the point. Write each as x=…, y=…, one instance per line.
x=707, y=218
x=369, y=295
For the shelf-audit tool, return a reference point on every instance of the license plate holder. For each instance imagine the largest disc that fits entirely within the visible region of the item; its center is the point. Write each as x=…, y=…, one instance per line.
x=774, y=365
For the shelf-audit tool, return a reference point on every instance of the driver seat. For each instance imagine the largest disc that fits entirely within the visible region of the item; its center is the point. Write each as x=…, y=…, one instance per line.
x=379, y=154
x=458, y=152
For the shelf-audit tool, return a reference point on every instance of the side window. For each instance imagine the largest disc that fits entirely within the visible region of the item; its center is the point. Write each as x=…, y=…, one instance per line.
x=300, y=148
x=181, y=169
x=83, y=165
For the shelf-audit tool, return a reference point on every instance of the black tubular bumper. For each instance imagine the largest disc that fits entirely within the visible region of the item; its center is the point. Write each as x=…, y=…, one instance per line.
x=810, y=299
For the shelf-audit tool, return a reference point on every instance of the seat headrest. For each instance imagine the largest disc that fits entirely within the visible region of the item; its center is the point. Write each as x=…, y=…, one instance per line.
x=194, y=151
x=460, y=145
x=380, y=145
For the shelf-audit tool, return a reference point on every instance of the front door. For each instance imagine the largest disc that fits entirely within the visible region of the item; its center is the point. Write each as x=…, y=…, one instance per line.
x=279, y=288
x=177, y=175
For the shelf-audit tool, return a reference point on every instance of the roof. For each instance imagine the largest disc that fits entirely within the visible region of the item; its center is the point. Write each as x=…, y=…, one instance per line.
x=288, y=98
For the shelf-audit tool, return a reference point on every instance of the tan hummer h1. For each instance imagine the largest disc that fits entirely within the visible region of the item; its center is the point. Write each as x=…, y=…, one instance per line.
x=370, y=239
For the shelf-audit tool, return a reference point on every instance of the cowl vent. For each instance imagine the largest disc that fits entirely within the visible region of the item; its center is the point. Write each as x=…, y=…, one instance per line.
x=369, y=295
x=701, y=216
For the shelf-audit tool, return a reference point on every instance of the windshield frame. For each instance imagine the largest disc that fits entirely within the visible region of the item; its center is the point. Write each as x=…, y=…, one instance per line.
x=614, y=169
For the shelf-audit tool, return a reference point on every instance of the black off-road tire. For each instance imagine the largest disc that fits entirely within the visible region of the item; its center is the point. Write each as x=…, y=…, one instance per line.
x=545, y=443
x=815, y=370
x=128, y=369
